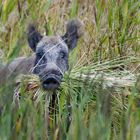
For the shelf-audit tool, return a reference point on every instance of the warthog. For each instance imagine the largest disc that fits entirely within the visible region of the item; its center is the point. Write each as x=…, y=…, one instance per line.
x=50, y=58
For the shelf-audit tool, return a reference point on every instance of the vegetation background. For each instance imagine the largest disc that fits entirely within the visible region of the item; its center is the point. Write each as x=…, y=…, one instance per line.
x=110, y=45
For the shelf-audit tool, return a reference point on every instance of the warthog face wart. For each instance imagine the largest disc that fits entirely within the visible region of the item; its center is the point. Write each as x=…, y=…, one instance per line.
x=52, y=54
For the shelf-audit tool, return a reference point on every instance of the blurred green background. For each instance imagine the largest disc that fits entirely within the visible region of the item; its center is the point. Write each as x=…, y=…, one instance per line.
x=110, y=44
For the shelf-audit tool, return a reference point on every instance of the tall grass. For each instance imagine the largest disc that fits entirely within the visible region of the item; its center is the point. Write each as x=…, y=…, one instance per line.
x=110, y=44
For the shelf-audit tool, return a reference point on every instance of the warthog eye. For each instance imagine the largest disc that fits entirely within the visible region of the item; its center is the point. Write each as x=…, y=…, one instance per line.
x=40, y=54
x=62, y=55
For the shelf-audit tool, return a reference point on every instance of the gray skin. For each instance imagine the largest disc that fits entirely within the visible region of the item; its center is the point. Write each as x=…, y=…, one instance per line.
x=51, y=61
x=50, y=58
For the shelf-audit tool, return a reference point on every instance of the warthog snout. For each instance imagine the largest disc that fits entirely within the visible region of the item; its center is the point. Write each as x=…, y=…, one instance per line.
x=51, y=77
x=51, y=82
x=52, y=53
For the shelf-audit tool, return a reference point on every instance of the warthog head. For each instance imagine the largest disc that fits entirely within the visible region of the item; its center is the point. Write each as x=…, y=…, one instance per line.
x=52, y=53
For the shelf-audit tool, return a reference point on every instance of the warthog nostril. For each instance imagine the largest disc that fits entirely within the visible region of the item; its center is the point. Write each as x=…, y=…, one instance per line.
x=51, y=83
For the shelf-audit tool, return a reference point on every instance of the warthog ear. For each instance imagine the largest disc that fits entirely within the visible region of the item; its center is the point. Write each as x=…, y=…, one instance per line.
x=33, y=37
x=73, y=32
